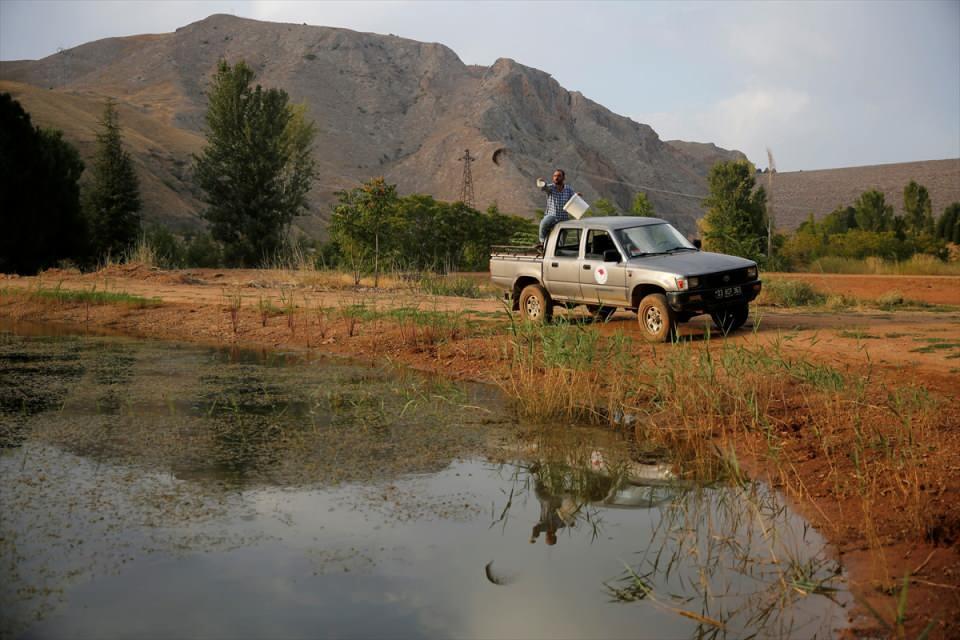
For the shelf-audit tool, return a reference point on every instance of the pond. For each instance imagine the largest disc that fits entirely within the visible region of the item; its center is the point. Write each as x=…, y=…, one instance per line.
x=151, y=489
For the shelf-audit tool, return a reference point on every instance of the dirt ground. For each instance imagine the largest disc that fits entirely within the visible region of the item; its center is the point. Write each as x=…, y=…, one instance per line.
x=900, y=349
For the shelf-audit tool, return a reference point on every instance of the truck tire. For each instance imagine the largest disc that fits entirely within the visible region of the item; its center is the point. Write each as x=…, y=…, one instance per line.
x=657, y=321
x=535, y=304
x=600, y=313
x=731, y=318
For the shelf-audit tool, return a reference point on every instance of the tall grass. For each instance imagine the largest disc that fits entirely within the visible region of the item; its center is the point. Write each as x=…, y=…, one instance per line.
x=918, y=265
x=697, y=399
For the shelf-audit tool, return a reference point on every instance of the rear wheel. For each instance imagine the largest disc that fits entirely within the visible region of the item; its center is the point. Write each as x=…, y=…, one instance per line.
x=731, y=318
x=657, y=320
x=600, y=313
x=535, y=304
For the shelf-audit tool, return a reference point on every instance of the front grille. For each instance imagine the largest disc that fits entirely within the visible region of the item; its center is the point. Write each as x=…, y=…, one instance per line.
x=714, y=280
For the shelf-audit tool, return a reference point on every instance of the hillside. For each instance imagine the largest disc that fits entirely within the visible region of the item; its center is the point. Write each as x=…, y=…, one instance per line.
x=383, y=105
x=797, y=194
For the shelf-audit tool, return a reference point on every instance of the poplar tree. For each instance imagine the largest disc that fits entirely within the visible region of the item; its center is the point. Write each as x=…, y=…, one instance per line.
x=112, y=197
x=257, y=167
x=736, y=219
x=917, y=208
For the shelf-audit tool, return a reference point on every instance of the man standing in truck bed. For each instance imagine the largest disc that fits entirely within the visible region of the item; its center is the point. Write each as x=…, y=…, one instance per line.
x=557, y=196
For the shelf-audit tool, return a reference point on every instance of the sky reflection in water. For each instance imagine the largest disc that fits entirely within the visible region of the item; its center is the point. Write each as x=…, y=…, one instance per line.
x=153, y=490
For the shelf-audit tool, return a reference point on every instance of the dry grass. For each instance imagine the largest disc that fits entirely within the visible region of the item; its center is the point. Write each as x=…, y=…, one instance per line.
x=918, y=265
x=701, y=400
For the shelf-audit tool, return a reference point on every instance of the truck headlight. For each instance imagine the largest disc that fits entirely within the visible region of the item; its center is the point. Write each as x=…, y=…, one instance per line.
x=751, y=272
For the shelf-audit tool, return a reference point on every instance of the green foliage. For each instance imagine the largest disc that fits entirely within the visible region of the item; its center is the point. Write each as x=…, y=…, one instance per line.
x=257, y=167
x=917, y=208
x=736, y=219
x=203, y=251
x=642, y=206
x=71, y=296
x=371, y=224
x=602, y=207
x=111, y=200
x=872, y=212
x=168, y=249
x=39, y=194
x=790, y=293
x=948, y=226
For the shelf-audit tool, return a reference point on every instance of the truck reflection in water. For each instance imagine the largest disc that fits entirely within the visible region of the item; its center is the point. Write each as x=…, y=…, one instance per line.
x=567, y=492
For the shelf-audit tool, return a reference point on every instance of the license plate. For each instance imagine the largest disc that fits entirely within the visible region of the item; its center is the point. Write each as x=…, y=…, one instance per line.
x=727, y=292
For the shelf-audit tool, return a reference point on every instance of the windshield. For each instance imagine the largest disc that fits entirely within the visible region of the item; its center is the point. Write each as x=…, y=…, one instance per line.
x=652, y=239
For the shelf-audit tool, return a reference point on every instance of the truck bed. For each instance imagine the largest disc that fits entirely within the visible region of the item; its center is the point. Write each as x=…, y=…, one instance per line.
x=515, y=252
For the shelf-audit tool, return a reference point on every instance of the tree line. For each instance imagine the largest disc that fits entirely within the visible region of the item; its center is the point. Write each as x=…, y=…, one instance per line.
x=257, y=168
x=254, y=173
x=737, y=221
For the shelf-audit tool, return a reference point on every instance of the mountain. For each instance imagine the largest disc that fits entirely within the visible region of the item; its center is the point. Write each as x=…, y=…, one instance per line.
x=383, y=105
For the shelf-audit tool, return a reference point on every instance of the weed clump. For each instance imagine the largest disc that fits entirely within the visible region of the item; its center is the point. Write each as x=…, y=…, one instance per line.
x=790, y=293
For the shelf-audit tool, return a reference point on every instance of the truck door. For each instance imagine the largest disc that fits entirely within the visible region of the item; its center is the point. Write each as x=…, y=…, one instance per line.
x=602, y=282
x=561, y=266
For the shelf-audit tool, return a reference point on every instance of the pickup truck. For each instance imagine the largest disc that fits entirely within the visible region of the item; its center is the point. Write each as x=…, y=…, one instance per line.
x=641, y=264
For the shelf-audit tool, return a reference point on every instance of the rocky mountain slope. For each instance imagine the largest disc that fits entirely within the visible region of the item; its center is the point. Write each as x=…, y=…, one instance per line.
x=383, y=105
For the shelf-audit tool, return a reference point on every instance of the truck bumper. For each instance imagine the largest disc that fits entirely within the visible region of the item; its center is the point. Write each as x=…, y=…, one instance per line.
x=707, y=300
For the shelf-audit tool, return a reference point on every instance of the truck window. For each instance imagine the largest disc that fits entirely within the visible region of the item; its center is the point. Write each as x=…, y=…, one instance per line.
x=598, y=241
x=568, y=243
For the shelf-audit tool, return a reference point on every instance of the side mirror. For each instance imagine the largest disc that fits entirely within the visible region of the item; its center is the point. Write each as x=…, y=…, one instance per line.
x=611, y=255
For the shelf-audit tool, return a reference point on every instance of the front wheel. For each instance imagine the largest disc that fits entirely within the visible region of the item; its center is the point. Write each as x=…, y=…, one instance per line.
x=731, y=318
x=535, y=304
x=657, y=320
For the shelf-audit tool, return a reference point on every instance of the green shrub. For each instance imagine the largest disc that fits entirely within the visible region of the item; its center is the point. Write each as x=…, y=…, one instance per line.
x=445, y=286
x=790, y=293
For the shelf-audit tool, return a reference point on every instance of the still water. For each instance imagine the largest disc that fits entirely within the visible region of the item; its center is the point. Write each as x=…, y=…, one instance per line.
x=155, y=490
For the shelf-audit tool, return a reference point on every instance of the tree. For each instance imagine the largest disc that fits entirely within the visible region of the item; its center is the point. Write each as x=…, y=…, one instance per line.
x=39, y=194
x=917, y=209
x=603, y=207
x=840, y=220
x=736, y=220
x=257, y=167
x=642, y=206
x=948, y=226
x=361, y=222
x=872, y=212
x=111, y=200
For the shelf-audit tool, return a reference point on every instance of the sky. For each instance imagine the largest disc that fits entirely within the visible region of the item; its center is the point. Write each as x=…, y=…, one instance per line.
x=821, y=84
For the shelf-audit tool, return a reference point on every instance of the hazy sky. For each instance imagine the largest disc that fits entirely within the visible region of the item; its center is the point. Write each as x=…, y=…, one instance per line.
x=822, y=84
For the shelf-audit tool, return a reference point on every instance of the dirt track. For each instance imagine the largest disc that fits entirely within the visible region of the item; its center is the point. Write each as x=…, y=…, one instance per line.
x=902, y=348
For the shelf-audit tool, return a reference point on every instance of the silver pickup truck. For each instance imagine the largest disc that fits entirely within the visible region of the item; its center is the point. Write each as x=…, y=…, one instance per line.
x=640, y=264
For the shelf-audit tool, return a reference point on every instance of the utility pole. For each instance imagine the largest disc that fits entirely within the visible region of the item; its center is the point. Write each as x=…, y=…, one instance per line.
x=466, y=189
x=771, y=169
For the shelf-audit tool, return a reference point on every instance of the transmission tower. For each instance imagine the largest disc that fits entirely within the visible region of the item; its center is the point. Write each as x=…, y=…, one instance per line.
x=771, y=170
x=466, y=189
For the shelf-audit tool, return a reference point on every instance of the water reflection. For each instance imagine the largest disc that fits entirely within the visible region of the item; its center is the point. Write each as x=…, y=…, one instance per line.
x=222, y=494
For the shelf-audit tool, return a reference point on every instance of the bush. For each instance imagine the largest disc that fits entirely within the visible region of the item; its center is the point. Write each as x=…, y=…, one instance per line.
x=790, y=293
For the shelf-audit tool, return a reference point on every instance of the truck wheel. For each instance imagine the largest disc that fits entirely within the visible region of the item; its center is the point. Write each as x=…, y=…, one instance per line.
x=657, y=321
x=731, y=318
x=600, y=313
x=535, y=304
